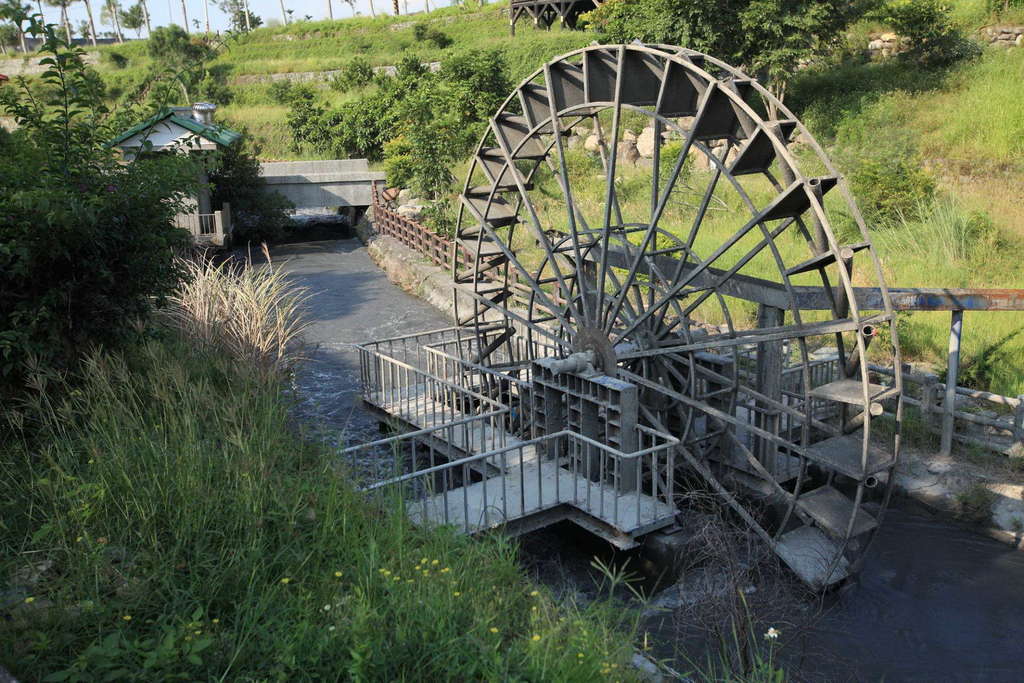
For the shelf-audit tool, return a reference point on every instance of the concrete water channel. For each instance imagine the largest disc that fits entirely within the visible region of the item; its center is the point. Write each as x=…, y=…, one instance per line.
x=935, y=602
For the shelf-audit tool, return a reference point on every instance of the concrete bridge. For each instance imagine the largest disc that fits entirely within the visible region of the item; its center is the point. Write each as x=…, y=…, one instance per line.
x=317, y=184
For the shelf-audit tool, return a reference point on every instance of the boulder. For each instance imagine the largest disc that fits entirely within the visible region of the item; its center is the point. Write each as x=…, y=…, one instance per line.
x=889, y=37
x=628, y=136
x=1020, y=40
x=645, y=143
x=700, y=160
x=574, y=142
x=404, y=195
x=410, y=212
x=592, y=143
x=627, y=151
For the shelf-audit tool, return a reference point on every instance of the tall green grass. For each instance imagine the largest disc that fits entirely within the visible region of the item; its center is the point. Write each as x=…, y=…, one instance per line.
x=165, y=522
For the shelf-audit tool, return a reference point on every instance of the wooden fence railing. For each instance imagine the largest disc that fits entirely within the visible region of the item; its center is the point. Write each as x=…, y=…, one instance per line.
x=1001, y=434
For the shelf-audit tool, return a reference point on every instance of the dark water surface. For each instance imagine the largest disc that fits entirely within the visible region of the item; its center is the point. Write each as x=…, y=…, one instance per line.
x=935, y=602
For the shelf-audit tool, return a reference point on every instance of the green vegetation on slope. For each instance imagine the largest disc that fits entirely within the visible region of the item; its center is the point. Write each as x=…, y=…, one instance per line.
x=164, y=522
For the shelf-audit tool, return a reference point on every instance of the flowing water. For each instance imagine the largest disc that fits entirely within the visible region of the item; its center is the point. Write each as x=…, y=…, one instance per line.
x=935, y=602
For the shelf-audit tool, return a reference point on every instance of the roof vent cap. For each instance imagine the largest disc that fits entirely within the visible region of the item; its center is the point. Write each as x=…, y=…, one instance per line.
x=203, y=112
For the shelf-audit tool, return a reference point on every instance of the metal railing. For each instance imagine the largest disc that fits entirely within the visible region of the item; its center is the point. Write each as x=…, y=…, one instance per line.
x=519, y=483
x=206, y=227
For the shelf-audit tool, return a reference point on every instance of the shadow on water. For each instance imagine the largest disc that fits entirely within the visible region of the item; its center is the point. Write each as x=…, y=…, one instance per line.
x=935, y=602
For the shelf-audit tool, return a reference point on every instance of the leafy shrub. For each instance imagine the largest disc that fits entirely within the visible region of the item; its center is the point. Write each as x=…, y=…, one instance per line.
x=115, y=60
x=622, y=21
x=890, y=188
x=935, y=41
x=440, y=216
x=356, y=74
x=287, y=92
x=428, y=34
x=399, y=163
x=84, y=238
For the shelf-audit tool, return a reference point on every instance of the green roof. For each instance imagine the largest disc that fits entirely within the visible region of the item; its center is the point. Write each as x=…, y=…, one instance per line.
x=217, y=134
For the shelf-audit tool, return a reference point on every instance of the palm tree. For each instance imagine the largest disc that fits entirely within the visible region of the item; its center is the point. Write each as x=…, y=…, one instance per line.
x=373, y=13
x=330, y=11
x=109, y=13
x=284, y=14
x=92, y=24
x=394, y=4
x=184, y=13
x=64, y=21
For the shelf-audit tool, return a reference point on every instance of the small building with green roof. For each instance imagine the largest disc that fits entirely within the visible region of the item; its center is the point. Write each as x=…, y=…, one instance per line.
x=177, y=129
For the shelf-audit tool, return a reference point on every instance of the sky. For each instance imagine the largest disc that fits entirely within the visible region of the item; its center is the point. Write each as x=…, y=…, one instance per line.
x=163, y=12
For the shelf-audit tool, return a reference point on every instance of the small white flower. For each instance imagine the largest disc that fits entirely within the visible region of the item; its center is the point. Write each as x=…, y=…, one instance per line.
x=327, y=608
x=772, y=633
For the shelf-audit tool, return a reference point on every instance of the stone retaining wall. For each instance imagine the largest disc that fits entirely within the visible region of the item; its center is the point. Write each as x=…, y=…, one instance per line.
x=1003, y=36
x=313, y=76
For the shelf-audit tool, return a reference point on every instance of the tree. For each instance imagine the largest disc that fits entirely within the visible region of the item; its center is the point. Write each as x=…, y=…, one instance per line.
x=110, y=13
x=18, y=14
x=92, y=24
x=284, y=13
x=767, y=37
x=64, y=21
x=239, y=15
x=85, y=236
x=134, y=18
x=330, y=11
x=174, y=52
x=184, y=15
x=9, y=35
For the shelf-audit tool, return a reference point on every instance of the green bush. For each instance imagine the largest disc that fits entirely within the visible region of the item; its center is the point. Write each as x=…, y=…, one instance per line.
x=356, y=74
x=287, y=92
x=890, y=188
x=429, y=34
x=84, y=239
x=114, y=59
x=399, y=163
x=935, y=41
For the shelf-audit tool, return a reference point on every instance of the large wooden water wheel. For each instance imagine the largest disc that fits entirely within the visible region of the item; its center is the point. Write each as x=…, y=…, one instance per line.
x=715, y=271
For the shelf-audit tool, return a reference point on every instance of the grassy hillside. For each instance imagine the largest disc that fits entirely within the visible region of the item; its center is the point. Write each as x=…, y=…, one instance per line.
x=961, y=127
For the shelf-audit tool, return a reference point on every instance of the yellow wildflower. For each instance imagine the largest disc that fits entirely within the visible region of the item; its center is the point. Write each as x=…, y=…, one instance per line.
x=337, y=575
x=127, y=617
x=286, y=580
x=534, y=594
x=536, y=637
x=494, y=629
x=435, y=562
x=216, y=621
x=446, y=570
x=457, y=593
x=29, y=601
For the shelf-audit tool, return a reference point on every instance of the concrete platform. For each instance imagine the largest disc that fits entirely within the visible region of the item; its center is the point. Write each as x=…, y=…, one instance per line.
x=534, y=489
